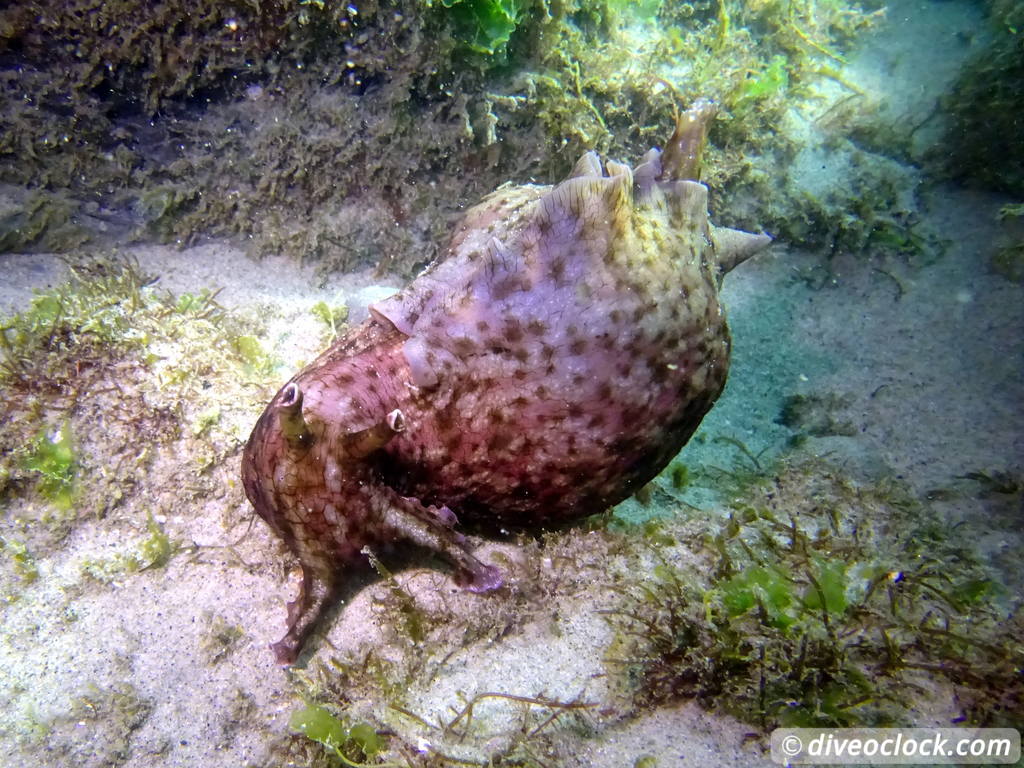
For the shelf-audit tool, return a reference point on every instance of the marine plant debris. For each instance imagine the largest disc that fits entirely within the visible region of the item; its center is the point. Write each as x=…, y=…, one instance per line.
x=102, y=378
x=828, y=604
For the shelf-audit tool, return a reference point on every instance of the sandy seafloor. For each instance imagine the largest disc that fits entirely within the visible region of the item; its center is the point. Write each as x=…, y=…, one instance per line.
x=925, y=358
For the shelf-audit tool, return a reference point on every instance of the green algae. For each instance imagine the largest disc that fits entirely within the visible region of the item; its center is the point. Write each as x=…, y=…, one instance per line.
x=334, y=318
x=816, y=414
x=412, y=620
x=256, y=361
x=221, y=639
x=821, y=612
x=152, y=552
x=51, y=457
x=1008, y=260
x=45, y=221
x=484, y=26
x=679, y=475
x=767, y=589
x=982, y=142
x=773, y=80
x=23, y=561
x=113, y=712
x=352, y=744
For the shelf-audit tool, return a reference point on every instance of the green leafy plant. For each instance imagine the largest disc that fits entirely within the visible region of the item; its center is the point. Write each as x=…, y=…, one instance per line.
x=679, y=475
x=767, y=589
x=52, y=458
x=254, y=358
x=351, y=744
x=23, y=561
x=45, y=220
x=333, y=318
x=645, y=10
x=772, y=80
x=484, y=26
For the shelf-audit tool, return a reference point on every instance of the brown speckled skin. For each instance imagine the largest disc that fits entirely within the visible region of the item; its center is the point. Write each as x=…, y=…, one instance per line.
x=555, y=361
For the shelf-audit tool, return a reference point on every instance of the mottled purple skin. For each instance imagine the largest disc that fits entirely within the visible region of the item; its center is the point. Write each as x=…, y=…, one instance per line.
x=557, y=359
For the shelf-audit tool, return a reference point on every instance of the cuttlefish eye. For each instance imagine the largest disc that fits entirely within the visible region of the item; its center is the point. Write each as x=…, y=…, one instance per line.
x=289, y=417
x=396, y=421
x=291, y=395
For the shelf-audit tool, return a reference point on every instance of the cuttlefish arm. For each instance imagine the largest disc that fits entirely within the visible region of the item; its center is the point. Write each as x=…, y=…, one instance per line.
x=384, y=516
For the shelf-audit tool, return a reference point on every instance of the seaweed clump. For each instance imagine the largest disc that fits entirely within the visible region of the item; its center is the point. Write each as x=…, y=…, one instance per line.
x=817, y=415
x=352, y=744
x=483, y=26
x=98, y=376
x=983, y=139
x=113, y=713
x=1008, y=260
x=827, y=605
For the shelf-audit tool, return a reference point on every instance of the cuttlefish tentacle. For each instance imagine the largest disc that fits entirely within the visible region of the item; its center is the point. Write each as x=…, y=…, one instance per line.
x=431, y=527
